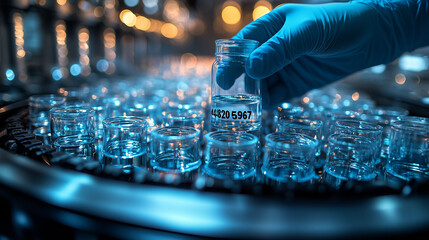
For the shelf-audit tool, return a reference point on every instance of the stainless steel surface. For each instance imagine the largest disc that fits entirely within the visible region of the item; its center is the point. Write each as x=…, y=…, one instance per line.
x=209, y=214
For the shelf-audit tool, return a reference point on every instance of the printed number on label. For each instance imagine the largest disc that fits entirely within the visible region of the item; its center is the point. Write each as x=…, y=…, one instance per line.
x=226, y=114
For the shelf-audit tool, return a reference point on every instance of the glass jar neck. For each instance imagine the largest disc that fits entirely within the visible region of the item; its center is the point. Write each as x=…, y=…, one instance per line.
x=235, y=47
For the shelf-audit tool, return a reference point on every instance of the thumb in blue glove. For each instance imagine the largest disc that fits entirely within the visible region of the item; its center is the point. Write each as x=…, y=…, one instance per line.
x=309, y=46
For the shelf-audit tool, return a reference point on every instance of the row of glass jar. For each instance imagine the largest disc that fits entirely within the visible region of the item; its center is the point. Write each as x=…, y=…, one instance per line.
x=353, y=148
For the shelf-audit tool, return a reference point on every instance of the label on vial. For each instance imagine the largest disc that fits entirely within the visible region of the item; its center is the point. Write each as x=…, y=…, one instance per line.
x=234, y=115
x=240, y=108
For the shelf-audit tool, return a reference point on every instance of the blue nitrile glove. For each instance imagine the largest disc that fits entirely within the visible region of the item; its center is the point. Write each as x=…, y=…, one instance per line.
x=309, y=46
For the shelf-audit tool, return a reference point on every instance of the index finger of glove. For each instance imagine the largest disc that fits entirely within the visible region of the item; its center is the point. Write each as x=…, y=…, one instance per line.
x=262, y=28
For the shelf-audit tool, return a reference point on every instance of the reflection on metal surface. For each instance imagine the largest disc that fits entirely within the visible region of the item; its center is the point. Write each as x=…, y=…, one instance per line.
x=67, y=191
x=209, y=214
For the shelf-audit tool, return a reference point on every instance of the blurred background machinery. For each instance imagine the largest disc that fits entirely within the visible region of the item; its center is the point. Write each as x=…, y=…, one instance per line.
x=46, y=45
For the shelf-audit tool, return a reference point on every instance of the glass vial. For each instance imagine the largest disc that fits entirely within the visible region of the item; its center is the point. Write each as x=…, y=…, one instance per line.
x=175, y=149
x=230, y=155
x=73, y=130
x=125, y=142
x=235, y=97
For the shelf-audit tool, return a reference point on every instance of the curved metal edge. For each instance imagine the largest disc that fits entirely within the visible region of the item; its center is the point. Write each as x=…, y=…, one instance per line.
x=210, y=214
x=13, y=106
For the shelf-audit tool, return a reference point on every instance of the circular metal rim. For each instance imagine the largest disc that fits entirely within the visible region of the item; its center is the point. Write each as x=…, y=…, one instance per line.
x=210, y=214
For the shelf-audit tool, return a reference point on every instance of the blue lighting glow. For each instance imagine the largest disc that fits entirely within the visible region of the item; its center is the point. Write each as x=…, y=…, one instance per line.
x=57, y=74
x=378, y=69
x=67, y=191
x=413, y=63
x=139, y=105
x=425, y=100
x=150, y=3
x=21, y=219
x=10, y=75
x=102, y=65
x=131, y=3
x=151, y=10
x=346, y=103
x=75, y=69
x=150, y=6
x=286, y=105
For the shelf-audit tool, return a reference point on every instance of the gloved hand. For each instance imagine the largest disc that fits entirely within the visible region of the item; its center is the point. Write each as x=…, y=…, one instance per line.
x=309, y=46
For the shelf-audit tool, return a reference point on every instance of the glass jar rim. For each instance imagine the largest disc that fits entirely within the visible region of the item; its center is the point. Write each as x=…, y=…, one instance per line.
x=338, y=139
x=287, y=139
x=71, y=111
x=288, y=105
x=124, y=122
x=178, y=133
x=413, y=119
x=349, y=114
x=363, y=125
x=235, y=47
x=36, y=100
x=306, y=122
x=183, y=114
x=241, y=138
x=388, y=111
x=416, y=127
x=237, y=41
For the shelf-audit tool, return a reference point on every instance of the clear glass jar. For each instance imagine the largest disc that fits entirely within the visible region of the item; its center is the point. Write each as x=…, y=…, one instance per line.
x=289, y=157
x=175, y=149
x=125, y=142
x=230, y=155
x=235, y=97
x=73, y=130
x=409, y=149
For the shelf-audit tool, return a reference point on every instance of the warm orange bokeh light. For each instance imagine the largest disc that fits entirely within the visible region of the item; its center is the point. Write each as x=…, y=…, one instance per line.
x=262, y=7
x=83, y=35
x=355, y=96
x=306, y=99
x=171, y=9
x=142, y=23
x=128, y=18
x=61, y=2
x=169, y=30
x=231, y=15
x=98, y=11
x=400, y=78
x=188, y=60
x=259, y=12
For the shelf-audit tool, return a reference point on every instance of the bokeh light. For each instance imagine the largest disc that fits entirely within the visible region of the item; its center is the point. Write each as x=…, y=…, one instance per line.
x=169, y=30
x=61, y=2
x=131, y=3
x=142, y=23
x=75, y=69
x=400, y=78
x=261, y=8
x=128, y=18
x=10, y=74
x=231, y=15
x=355, y=96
